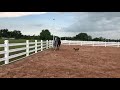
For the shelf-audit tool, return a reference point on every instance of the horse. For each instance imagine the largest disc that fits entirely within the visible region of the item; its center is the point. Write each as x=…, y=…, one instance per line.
x=57, y=43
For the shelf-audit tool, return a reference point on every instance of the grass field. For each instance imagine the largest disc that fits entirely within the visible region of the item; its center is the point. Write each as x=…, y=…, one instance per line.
x=13, y=47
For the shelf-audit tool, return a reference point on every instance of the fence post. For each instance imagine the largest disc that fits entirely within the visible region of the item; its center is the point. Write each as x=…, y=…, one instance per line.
x=27, y=47
x=69, y=43
x=49, y=43
x=41, y=45
x=105, y=43
x=6, y=49
x=81, y=43
x=93, y=43
x=98, y=43
x=52, y=43
x=35, y=46
x=118, y=44
x=46, y=44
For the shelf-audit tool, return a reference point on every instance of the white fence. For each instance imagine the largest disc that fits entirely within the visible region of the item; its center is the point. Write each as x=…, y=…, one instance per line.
x=38, y=46
x=91, y=43
x=42, y=45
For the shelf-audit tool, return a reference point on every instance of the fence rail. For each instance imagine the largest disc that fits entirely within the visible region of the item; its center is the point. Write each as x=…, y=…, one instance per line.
x=91, y=43
x=2, y=45
x=17, y=49
x=36, y=47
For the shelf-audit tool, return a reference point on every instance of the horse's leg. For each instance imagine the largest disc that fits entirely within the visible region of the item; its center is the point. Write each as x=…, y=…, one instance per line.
x=58, y=46
x=55, y=47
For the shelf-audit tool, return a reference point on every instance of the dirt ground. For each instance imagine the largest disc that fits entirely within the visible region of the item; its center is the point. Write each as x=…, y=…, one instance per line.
x=88, y=62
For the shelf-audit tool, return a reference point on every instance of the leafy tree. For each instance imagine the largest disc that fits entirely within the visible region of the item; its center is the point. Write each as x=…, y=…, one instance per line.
x=96, y=39
x=4, y=32
x=89, y=38
x=45, y=35
x=17, y=34
x=99, y=39
x=82, y=36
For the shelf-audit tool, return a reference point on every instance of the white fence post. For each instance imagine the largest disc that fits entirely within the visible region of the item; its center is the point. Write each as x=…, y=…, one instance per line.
x=105, y=43
x=35, y=46
x=98, y=43
x=46, y=44
x=27, y=47
x=41, y=45
x=52, y=43
x=93, y=43
x=81, y=43
x=49, y=42
x=6, y=49
x=118, y=44
x=69, y=42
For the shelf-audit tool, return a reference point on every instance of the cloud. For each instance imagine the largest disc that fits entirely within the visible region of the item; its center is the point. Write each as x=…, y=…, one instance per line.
x=95, y=22
x=18, y=14
x=37, y=25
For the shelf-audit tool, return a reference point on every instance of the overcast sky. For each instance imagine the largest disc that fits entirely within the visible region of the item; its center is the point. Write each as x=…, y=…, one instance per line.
x=96, y=24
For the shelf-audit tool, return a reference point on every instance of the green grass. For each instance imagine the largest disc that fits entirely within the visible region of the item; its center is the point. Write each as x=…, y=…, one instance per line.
x=14, y=47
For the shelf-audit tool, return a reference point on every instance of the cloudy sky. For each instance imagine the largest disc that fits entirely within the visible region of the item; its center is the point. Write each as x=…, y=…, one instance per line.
x=96, y=24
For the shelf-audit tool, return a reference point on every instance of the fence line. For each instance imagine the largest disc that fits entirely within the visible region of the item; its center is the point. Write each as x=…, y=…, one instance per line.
x=91, y=43
x=6, y=52
x=42, y=45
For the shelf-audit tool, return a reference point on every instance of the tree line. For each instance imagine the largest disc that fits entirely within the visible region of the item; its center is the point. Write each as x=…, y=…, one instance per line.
x=46, y=35
x=86, y=37
x=10, y=34
x=16, y=34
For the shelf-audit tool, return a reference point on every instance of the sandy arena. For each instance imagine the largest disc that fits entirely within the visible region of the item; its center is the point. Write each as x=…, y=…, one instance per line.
x=88, y=62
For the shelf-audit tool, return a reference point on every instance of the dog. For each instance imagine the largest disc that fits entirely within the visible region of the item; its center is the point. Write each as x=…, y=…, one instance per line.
x=76, y=49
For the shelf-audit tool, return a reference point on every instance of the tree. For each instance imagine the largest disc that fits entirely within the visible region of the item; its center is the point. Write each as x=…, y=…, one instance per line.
x=4, y=33
x=17, y=34
x=89, y=38
x=83, y=36
x=99, y=39
x=45, y=35
x=96, y=39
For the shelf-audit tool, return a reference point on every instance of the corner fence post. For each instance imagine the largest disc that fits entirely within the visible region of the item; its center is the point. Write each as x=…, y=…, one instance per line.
x=41, y=45
x=6, y=49
x=35, y=46
x=27, y=47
